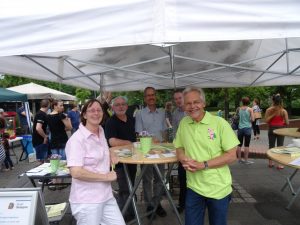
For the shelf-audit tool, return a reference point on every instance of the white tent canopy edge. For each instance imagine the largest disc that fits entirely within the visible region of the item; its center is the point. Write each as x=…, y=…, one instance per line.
x=106, y=43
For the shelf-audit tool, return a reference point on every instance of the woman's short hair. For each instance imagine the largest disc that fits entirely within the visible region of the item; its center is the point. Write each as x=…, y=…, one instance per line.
x=245, y=101
x=85, y=107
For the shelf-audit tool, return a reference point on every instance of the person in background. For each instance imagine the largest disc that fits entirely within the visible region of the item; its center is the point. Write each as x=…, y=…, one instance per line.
x=2, y=129
x=120, y=130
x=74, y=116
x=89, y=160
x=168, y=115
x=205, y=145
x=39, y=135
x=105, y=99
x=58, y=124
x=255, y=124
x=23, y=119
x=220, y=113
x=153, y=121
x=276, y=117
x=2, y=122
x=177, y=116
x=245, y=130
x=7, y=161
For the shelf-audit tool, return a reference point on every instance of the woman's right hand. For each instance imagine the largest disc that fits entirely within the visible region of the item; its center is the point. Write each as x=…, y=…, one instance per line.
x=111, y=176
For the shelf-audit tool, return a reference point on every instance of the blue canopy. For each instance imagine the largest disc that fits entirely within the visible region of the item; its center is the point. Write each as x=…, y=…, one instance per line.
x=11, y=96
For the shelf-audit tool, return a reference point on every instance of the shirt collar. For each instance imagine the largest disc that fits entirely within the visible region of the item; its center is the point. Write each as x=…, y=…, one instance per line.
x=148, y=110
x=205, y=120
x=86, y=133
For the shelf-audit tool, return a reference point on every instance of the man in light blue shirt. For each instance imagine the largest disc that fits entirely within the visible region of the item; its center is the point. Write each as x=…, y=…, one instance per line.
x=152, y=120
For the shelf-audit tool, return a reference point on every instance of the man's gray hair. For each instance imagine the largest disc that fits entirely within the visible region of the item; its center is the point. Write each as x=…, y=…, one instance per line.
x=123, y=97
x=195, y=89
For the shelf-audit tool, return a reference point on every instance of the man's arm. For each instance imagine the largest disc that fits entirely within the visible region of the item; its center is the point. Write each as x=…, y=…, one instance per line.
x=227, y=158
x=41, y=132
x=118, y=142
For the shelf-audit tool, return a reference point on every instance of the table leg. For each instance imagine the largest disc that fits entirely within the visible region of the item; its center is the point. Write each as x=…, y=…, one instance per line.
x=133, y=191
x=132, y=198
x=293, y=199
x=24, y=151
x=167, y=191
x=289, y=182
x=14, y=153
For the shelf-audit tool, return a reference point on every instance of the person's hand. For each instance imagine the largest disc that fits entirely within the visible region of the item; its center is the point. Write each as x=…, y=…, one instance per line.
x=45, y=140
x=114, y=159
x=155, y=140
x=190, y=164
x=111, y=176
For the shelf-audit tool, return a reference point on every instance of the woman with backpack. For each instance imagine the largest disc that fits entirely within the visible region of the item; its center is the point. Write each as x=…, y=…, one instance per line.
x=246, y=117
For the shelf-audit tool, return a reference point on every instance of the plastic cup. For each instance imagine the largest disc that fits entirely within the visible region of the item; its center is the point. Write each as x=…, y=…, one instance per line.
x=145, y=144
x=54, y=165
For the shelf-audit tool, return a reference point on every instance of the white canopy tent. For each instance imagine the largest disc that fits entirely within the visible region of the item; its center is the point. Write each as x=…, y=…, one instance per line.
x=131, y=44
x=36, y=91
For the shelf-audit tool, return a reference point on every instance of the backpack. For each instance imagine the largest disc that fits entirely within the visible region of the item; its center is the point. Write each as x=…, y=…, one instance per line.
x=235, y=119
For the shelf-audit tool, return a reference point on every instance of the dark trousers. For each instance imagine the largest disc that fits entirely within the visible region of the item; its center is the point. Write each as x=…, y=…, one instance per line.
x=7, y=161
x=182, y=185
x=256, y=130
x=196, y=206
x=274, y=137
x=123, y=185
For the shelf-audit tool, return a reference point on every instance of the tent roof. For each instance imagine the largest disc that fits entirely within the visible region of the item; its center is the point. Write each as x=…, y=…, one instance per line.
x=127, y=45
x=36, y=91
x=11, y=96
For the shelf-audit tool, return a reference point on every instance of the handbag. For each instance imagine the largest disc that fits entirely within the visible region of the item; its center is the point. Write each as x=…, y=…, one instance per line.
x=2, y=152
x=257, y=115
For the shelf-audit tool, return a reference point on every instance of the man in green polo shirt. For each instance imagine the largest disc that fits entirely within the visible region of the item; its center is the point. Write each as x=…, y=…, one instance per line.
x=205, y=145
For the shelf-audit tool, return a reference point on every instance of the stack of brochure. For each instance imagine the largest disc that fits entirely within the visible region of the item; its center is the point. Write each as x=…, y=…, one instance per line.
x=291, y=151
x=56, y=209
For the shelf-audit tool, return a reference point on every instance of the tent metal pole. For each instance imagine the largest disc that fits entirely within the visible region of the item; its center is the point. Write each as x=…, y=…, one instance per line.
x=80, y=71
x=121, y=67
x=268, y=68
x=287, y=55
x=41, y=65
x=232, y=66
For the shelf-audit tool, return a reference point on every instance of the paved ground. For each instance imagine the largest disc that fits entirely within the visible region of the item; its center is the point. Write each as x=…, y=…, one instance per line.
x=257, y=199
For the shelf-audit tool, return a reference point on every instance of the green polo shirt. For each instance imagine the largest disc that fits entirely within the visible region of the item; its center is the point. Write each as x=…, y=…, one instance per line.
x=202, y=141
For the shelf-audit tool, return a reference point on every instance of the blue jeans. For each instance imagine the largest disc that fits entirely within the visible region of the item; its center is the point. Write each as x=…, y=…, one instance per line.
x=41, y=152
x=196, y=204
x=59, y=151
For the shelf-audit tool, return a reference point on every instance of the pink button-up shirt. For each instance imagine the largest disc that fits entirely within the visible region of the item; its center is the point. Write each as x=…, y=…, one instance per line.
x=91, y=152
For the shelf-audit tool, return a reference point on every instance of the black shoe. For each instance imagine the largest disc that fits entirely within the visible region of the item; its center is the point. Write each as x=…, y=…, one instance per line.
x=46, y=181
x=160, y=211
x=52, y=188
x=149, y=209
x=62, y=186
x=179, y=209
x=129, y=217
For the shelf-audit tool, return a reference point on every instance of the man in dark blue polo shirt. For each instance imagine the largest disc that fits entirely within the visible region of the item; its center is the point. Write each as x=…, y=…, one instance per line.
x=120, y=130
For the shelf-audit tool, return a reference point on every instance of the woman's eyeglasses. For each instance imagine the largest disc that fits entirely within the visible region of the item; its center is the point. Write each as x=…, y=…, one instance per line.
x=94, y=110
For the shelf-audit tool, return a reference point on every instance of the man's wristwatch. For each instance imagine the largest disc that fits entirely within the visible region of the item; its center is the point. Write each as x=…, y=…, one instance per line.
x=205, y=165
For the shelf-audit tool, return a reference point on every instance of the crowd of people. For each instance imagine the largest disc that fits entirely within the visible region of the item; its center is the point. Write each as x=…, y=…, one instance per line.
x=205, y=146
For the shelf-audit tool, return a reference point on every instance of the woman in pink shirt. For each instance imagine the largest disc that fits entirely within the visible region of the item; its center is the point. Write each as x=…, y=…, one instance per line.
x=89, y=160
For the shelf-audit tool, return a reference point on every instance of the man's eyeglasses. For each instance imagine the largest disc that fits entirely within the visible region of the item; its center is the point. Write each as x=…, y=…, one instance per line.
x=94, y=110
x=120, y=104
